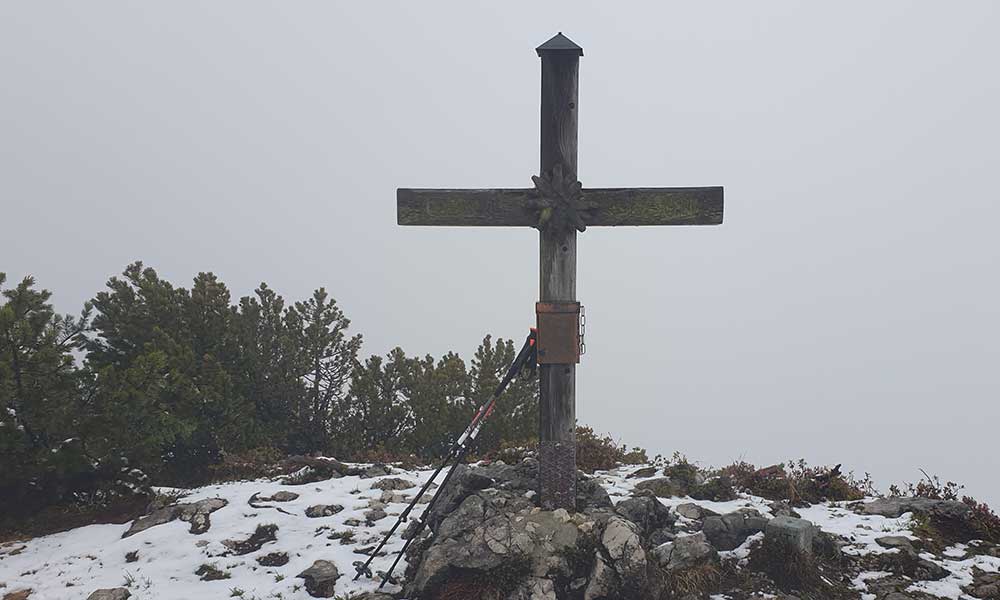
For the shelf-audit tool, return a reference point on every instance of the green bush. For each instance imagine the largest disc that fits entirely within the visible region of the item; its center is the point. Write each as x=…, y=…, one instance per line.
x=187, y=386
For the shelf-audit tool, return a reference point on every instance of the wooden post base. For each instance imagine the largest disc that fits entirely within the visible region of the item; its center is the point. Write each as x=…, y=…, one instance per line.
x=557, y=474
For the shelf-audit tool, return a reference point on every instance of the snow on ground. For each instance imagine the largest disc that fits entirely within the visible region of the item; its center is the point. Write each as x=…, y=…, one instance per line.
x=72, y=564
x=860, y=530
x=961, y=575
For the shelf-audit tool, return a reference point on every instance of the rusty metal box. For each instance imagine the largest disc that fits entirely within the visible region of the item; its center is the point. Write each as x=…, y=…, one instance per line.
x=558, y=332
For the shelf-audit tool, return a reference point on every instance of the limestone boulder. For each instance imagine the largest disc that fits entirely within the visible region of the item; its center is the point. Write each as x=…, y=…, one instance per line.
x=902, y=543
x=623, y=544
x=984, y=584
x=695, y=512
x=664, y=487
x=648, y=513
x=798, y=534
x=376, y=470
x=896, y=506
x=685, y=552
x=492, y=529
x=195, y=513
x=393, y=483
x=534, y=588
x=323, y=510
x=281, y=496
x=110, y=594
x=727, y=532
x=321, y=579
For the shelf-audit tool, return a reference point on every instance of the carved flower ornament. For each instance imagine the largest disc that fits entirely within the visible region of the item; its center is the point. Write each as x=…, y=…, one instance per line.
x=560, y=204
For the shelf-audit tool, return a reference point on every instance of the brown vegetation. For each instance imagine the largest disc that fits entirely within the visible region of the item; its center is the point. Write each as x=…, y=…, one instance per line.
x=797, y=483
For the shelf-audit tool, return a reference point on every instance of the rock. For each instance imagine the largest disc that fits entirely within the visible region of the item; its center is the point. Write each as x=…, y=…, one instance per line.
x=195, y=513
x=393, y=483
x=274, y=559
x=490, y=529
x=24, y=594
x=643, y=472
x=718, y=489
x=108, y=594
x=534, y=588
x=690, y=510
x=389, y=497
x=647, y=512
x=486, y=518
x=685, y=552
x=590, y=494
x=375, y=514
x=262, y=535
x=210, y=573
x=896, y=541
x=660, y=537
x=476, y=481
x=521, y=477
x=984, y=585
x=797, y=533
x=323, y=510
x=896, y=506
x=602, y=581
x=912, y=565
x=374, y=596
x=321, y=579
x=728, y=531
x=663, y=487
x=368, y=550
x=984, y=548
x=281, y=496
x=622, y=542
x=780, y=508
x=308, y=469
x=375, y=471
x=11, y=549
x=352, y=522
x=906, y=561
x=828, y=545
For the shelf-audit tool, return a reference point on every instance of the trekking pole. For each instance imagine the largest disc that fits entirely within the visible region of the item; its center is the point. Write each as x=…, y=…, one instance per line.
x=454, y=457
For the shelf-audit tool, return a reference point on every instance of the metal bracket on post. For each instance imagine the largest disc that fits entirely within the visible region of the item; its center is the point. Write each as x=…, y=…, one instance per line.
x=559, y=341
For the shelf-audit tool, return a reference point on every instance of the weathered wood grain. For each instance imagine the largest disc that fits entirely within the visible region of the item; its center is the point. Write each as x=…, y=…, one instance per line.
x=656, y=206
x=501, y=208
x=557, y=279
x=510, y=207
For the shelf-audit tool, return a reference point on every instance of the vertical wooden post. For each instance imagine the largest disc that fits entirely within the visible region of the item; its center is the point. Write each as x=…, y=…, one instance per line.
x=560, y=59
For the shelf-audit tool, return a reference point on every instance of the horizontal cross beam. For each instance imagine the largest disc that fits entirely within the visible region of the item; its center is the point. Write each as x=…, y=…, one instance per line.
x=515, y=207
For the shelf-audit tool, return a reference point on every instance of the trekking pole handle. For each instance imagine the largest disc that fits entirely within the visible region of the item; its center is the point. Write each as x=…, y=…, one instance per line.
x=527, y=351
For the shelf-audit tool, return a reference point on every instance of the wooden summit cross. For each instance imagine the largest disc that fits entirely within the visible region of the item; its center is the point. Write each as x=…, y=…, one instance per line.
x=558, y=206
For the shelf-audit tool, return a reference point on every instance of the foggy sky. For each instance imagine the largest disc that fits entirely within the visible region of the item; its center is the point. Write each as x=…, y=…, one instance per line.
x=848, y=310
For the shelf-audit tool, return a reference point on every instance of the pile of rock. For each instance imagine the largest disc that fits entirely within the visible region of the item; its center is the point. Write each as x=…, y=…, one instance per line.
x=487, y=536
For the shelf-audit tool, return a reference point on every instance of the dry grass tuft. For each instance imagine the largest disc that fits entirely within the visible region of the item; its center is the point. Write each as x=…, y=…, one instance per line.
x=699, y=581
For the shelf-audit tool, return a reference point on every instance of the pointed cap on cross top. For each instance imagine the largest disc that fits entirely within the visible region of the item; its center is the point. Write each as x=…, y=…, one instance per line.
x=559, y=44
